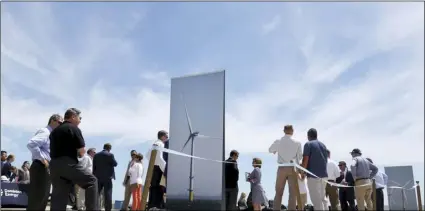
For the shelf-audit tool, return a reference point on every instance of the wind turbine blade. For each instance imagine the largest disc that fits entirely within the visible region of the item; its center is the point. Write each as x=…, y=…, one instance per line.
x=187, y=115
x=186, y=143
x=202, y=136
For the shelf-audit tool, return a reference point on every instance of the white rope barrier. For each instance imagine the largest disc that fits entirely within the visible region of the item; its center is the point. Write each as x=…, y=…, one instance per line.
x=287, y=165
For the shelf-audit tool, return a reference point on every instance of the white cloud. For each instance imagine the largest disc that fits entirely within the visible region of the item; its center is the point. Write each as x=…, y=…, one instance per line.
x=161, y=78
x=272, y=25
x=381, y=112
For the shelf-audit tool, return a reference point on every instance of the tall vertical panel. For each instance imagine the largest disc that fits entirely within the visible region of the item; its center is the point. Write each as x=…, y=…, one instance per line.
x=203, y=97
x=401, y=176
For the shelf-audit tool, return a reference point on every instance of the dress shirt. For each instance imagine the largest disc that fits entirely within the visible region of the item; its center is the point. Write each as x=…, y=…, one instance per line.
x=159, y=160
x=362, y=168
x=128, y=168
x=87, y=162
x=39, y=144
x=136, y=173
x=381, y=180
x=333, y=170
x=287, y=150
x=302, y=186
x=345, y=174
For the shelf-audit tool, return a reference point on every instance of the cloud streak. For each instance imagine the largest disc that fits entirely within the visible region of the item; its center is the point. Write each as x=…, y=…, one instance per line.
x=360, y=89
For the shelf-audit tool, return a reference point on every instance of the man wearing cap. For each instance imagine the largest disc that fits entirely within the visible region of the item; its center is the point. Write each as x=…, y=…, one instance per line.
x=288, y=150
x=381, y=180
x=362, y=171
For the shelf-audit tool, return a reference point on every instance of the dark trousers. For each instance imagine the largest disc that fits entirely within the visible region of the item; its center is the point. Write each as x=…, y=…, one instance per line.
x=156, y=192
x=231, y=198
x=107, y=193
x=379, y=199
x=346, y=198
x=66, y=171
x=39, y=190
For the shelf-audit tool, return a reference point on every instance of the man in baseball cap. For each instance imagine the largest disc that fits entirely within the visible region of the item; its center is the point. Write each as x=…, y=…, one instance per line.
x=362, y=171
x=356, y=151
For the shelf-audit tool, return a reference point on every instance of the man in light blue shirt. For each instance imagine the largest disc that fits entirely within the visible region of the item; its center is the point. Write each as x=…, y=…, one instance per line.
x=381, y=180
x=39, y=146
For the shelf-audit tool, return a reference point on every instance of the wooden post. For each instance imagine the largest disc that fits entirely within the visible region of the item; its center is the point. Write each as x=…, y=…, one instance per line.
x=148, y=179
x=374, y=194
x=297, y=188
x=419, y=196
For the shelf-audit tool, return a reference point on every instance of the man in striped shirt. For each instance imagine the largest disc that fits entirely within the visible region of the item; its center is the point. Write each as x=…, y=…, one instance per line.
x=39, y=146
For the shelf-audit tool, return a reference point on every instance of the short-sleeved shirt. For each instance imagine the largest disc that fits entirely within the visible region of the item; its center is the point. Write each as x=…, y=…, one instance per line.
x=65, y=140
x=318, y=158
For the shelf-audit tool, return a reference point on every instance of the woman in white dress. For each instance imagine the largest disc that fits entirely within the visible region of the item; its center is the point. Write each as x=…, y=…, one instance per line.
x=136, y=175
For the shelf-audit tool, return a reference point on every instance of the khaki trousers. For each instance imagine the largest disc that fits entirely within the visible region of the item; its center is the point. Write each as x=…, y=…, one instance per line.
x=127, y=196
x=285, y=173
x=303, y=201
x=364, y=194
x=332, y=193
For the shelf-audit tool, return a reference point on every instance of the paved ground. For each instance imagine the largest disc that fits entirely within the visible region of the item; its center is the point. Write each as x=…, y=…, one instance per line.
x=47, y=209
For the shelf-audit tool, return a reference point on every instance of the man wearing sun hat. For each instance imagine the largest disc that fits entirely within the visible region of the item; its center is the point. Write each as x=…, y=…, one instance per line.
x=362, y=171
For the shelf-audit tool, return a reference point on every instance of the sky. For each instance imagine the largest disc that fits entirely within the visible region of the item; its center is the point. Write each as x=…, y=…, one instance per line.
x=353, y=71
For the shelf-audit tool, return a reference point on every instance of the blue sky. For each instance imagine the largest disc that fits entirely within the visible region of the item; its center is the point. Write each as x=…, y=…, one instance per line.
x=354, y=71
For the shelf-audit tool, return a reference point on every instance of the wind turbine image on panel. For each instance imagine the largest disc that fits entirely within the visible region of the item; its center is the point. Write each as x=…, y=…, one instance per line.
x=403, y=194
x=191, y=139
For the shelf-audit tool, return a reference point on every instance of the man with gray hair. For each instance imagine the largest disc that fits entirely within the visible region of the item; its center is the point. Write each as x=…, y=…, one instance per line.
x=362, y=171
x=39, y=146
x=66, y=146
x=87, y=162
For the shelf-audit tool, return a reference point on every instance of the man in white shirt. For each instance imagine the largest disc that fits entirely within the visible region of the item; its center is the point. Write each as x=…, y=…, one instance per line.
x=156, y=192
x=287, y=150
x=332, y=191
x=381, y=180
x=87, y=162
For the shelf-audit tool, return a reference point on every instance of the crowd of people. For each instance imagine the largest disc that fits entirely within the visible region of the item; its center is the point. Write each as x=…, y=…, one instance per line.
x=315, y=157
x=60, y=160
x=62, y=167
x=10, y=173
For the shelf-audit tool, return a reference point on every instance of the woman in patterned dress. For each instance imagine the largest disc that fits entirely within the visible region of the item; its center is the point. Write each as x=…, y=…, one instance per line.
x=258, y=194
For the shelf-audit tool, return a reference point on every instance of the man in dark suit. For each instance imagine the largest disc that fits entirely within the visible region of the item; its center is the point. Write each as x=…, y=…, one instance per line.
x=7, y=165
x=346, y=194
x=103, y=168
x=231, y=172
